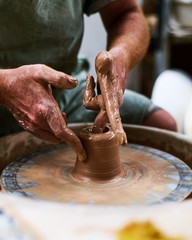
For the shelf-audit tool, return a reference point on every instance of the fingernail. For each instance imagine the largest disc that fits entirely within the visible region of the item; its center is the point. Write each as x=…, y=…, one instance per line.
x=72, y=80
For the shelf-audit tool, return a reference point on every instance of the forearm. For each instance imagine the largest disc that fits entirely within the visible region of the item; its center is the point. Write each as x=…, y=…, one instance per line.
x=128, y=35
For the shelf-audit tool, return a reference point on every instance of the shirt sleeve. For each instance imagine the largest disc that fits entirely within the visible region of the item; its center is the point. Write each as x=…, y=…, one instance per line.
x=92, y=6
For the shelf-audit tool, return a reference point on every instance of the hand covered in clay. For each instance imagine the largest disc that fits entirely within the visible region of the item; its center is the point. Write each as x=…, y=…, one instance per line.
x=111, y=85
x=26, y=92
x=111, y=65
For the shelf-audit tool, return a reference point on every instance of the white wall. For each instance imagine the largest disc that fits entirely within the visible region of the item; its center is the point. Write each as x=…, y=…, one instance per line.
x=94, y=39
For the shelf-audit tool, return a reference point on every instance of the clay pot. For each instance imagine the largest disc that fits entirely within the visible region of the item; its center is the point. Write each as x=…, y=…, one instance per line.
x=103, y=161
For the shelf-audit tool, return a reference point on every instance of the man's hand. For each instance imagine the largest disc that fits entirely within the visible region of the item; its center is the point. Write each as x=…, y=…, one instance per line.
x=111, y=64
x=112, y=85
x=26, y=92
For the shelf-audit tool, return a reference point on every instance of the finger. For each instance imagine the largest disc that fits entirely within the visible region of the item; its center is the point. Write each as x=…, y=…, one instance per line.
x=109, y=94
x=120, y=97
x=45, y=74
x=72, y=140
x=106, y=65
x=118, y=88
x=38, y=131
x=103, y=62
x=89, y=99
x=45, y=135
x=112, y=107
x=59, y=128
x=100, y=122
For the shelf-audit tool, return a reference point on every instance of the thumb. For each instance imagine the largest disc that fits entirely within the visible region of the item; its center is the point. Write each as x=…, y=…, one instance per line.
x=58, y=79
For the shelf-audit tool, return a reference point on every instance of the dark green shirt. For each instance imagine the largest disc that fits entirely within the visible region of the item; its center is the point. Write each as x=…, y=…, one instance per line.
x=43, y=31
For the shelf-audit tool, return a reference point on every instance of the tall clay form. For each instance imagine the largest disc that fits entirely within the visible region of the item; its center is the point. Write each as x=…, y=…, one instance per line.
x=103, y=160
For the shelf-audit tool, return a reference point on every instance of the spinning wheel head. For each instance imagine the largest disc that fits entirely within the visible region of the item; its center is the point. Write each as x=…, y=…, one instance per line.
x=151, y=176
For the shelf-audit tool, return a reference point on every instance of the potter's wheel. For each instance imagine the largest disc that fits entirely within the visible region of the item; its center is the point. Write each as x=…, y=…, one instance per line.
x=151, y=176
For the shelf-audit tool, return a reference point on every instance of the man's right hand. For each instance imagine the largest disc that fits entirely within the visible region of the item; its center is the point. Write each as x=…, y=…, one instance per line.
x=26, y=92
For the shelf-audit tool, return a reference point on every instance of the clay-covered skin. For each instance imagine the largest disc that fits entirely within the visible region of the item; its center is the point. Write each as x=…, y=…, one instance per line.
x=127, y=42
x=96, y=103
x=108, y=102
x=26, y=92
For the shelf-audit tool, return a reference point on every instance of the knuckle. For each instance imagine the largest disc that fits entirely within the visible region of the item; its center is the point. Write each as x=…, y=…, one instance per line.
x=38, y=70
x=41, y=112
x=34, y=70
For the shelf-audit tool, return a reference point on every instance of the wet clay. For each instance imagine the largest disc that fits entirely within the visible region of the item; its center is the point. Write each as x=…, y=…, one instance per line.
x=101, y=145
x=106, y=102
x=158, y=178
x=103, y=159
x=104, y=68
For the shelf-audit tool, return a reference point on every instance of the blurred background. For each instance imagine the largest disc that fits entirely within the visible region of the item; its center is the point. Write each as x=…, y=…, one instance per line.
x=164, y=74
